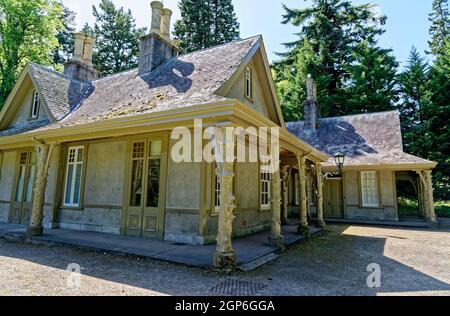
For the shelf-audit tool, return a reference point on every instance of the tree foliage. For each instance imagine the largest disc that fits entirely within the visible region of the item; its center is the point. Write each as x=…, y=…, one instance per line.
x=65, y=38
x=27, y=32
x=206, y=23
x=117, y=38
x=337, y=45
x=440, y=26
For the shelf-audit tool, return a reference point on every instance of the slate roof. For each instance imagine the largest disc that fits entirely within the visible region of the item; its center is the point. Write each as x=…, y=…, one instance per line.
x=367, y=139
x=189, y=80
x=61, y=93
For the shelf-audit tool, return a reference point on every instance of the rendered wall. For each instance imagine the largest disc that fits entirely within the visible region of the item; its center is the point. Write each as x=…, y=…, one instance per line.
x=103, y=191
x=388, y=205
x=23, y=112
x=183, y=201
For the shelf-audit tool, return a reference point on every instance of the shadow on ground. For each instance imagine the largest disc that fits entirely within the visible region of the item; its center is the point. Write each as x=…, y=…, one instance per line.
x=333, y=264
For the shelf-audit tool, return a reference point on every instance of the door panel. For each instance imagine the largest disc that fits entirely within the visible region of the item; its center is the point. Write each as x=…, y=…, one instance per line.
x=21, y=210
x=333, y=201
x=145, y=214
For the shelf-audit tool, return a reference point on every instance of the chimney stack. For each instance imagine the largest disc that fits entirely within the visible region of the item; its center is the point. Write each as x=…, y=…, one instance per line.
x=311, y=106
x=165, y=23
x=80, y=66
x=157, y=47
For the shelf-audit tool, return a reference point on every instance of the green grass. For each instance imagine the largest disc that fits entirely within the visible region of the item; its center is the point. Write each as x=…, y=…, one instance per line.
x=410, y=208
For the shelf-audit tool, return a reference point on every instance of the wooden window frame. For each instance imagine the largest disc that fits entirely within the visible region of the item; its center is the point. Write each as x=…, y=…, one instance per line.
x=265, y=207
x=73, y=206
x=35, y=106
x=361, y=191
x=248, y=83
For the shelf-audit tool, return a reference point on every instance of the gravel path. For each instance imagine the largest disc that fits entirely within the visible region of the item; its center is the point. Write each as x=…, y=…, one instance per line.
x=413, y=262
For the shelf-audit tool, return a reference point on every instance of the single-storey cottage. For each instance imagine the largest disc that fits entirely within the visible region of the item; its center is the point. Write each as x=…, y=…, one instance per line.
x=95, y=154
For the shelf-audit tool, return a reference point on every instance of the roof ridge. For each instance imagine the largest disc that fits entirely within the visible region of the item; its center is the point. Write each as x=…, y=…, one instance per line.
x=350, y=115
x=221, y=45
x=183, y=55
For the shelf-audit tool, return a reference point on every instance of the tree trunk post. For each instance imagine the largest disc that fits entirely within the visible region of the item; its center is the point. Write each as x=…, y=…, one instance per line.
x=303, y=227
x=431, y=213
x=225, y=256
x=320, y=220
x=35, y=227
x=285, y=172
x=276, y=238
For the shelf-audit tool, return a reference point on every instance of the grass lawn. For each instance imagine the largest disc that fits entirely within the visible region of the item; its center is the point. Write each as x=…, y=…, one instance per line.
x=409, y=208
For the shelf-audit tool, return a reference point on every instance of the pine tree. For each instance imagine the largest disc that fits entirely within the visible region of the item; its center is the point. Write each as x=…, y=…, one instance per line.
x=65, y=38
x=117, y=38
x=372, y=87
x=436, y=142
x=440, y=26
x=206, y=23
x=339, y=35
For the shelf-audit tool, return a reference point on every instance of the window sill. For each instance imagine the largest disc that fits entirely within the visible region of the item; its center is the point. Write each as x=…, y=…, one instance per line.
x=72, y=208
x=249, y=99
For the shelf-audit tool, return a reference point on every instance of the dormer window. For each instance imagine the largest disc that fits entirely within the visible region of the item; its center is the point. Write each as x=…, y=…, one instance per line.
x=34, y=114
x=249, y=83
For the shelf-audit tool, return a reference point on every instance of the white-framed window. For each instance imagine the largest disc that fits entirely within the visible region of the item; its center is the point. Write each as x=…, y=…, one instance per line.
x=216, y=194
x=266, y=189
x=34, y=113
x=297, y=189
x=369, y=189
x=74, y=173
x=249, y=83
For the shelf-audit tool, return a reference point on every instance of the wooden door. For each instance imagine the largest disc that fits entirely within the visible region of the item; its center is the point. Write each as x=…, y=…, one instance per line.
x=333, y=201
x=23, y=195
x=146, y=205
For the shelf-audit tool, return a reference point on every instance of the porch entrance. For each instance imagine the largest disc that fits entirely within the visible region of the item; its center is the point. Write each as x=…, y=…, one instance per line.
x=147, y=178
x=23, y=194
x=333, y=199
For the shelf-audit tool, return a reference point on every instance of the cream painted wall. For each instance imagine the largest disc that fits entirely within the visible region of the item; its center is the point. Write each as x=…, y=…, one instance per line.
x=262, y=99
x=388, y=206
x=105, y=171
x=23, y=112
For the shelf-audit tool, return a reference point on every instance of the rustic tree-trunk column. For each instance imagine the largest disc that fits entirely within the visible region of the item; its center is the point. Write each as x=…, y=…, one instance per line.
x=303, y=227
x=431, y=213
x=319, y=207
x=225, y=257
x=275, y=233
x=37, y=213
x=285, y=172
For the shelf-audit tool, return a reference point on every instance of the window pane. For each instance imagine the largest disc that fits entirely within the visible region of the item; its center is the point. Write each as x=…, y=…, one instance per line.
x=76, y=194
x=136, y=183
x=80, y=155
x=20, y=183
x=156, y=148
x=30, y=183
x=69, y=185
x=154, y=170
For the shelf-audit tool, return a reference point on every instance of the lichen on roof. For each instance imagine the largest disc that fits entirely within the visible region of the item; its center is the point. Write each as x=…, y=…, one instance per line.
x=366, y=139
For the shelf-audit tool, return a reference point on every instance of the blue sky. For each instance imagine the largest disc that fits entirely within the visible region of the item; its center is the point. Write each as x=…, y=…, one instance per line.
x=407, y=20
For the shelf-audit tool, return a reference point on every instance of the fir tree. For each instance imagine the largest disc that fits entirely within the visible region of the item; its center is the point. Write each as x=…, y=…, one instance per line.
x=206, y=23
x=65, y=38
x=117, y=38
x=440, y=26
x=339, y=36
x=413, y=89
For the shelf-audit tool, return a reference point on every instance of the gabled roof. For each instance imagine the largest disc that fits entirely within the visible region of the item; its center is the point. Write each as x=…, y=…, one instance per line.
x=60, y=92
x=367, y=139
x=189, y=80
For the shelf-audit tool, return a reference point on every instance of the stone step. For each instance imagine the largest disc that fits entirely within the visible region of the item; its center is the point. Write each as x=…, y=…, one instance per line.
x=258, y=262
